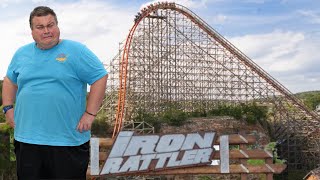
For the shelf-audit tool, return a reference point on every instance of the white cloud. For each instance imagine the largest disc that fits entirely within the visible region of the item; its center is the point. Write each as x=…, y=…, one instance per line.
x=6, y=3
x=99, y=25
x=277, y=51
x=14, y=33
x=289, y=56
x=285, y=55
x=312, y=16
x=219, y=19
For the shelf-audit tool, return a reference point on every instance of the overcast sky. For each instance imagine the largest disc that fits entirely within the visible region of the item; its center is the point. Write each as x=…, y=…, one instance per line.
x=281, y=36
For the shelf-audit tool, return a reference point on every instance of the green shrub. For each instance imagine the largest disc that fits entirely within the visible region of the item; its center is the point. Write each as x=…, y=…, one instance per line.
x=7, y=157
x=271, y=147
x=171, y=114
x=200, y=112
x=175, y=117
x=143, y=116
x=249, y=112
x=2, y=117
x=250, y=118
x=100, y=127
x=236, y=112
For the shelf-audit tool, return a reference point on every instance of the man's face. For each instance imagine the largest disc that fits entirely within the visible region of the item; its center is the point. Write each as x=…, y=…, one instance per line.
x=45, y=31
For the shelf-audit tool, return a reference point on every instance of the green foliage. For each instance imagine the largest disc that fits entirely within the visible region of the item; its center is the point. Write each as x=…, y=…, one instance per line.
x=100, y=127
x=7, y=157
x=234, y=147
x=7, y=132
x=2, y=117
x=5, y=129
x=271, y=147
x=200, y=112
x=311, y=99
x=144, y=116
x=249, y=112
x=255, y=162
x=296, y=174
x=250, y=118
x=174, y=116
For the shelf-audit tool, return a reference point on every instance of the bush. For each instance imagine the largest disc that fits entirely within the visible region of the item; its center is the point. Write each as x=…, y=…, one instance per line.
x=272, y=147
x=174, y=117
x=250, y=118
x=249, y=112
x=171, y=114
x=100, y=127
x=143, y=116
x=7, y=157
x=2, y=117
x=198, y=113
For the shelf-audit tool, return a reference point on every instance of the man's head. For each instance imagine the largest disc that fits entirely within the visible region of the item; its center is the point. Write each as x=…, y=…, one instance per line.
x=44, y=26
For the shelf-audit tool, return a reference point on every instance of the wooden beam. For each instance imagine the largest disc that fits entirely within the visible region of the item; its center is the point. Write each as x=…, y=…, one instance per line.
x=105, y=142
x=236, y=139
x=234, y=169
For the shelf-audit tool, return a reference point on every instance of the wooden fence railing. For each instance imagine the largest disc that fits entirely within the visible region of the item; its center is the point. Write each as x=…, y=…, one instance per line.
x=230, y=161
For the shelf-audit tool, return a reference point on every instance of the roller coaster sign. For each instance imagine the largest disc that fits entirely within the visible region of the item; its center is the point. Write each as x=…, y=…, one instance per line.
x=142, y=153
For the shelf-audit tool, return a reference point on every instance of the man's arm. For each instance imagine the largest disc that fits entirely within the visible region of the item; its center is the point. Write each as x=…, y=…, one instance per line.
x=96, y=95
x=9, y=91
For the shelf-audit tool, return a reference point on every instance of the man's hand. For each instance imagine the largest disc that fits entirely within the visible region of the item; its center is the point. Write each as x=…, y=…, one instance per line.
x=85, y=122
x=95, y=98
x=9, y=90
x=10, y=118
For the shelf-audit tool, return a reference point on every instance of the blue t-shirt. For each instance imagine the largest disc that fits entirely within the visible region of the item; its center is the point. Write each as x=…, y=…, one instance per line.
x=51, y=95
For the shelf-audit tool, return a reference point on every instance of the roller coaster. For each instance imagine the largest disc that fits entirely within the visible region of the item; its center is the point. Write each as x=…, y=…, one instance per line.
x=172, y=55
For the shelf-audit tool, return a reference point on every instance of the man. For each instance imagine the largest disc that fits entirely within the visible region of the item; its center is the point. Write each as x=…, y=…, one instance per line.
x=47, y=80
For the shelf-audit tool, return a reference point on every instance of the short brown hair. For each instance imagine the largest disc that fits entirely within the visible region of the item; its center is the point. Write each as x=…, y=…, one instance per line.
x=41, y=11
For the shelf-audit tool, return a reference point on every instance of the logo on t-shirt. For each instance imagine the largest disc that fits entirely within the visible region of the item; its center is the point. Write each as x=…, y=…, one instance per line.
x=61, y=57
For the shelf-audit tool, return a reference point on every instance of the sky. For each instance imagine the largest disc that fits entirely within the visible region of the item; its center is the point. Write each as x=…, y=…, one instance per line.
x=281, y=36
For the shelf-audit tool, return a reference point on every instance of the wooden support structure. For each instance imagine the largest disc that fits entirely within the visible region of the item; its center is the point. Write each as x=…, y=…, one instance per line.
x=231, y=161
